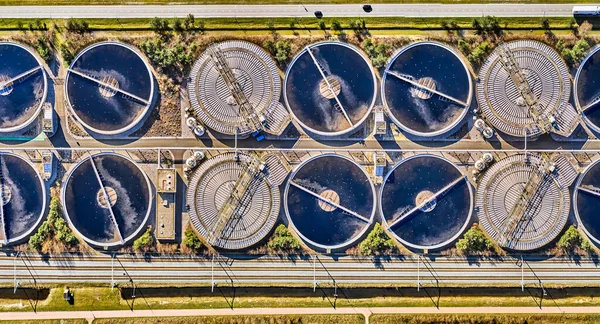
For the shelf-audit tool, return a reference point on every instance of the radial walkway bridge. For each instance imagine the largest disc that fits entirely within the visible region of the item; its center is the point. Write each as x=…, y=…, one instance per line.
x=239, y=198
x=528, y=201
x=3, y=235
x=246, y=109
x=18, y=78
x=536, y=110
x=411, y=80
x=107, y=200
x=110, y=87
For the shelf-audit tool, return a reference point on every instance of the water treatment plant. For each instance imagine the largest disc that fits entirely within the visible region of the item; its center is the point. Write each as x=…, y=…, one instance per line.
x=107, y=199
x=426, y=201
x=330, y=88
x=235, y=90
x=109, y=88
x=23, y=87
x=427, y=89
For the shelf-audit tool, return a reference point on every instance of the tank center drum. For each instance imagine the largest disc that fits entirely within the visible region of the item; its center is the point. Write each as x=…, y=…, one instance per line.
x=23, y=86
x=586, y=201
x=329, y=201
x=110, y=88
x=330, y=88
x=23, y=198
x=426, y=202
x=427, y=89
x=587, y=89
x=107, y=199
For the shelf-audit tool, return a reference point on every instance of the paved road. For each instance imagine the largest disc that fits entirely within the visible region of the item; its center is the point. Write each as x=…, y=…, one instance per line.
x=293, y=10
x=305, y=270
x=366, y=311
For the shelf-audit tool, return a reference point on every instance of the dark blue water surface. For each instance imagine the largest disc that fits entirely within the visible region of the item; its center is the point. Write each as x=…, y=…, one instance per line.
x=109, y=113
x=304, y=97
x=22, y=103
x=130, y=209
x=588, y=87
x=407, y=181
x=587, y=203
x=352, y=186
x=26, y=203
x=450, y=77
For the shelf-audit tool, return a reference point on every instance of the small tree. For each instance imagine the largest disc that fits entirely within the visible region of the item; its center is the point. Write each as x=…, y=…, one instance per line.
x=281, y=49
x=545, y=23
x=177, y=25
x=283, y=241
x=479, y=53
x=53, y=228
x=572, y=241
x=477, y=26
x=377, y=242
x=336, y=26
x=474, y=242
x=464, y=47
x=322, y=25
x=189, y=22
x=145, y=242
x=159, y=25
x=191, y=240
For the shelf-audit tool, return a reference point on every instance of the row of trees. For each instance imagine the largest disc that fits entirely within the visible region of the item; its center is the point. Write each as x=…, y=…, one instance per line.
x=162, y=25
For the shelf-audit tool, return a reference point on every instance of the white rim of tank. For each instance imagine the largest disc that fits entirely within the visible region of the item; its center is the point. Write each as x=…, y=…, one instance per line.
x=39, y=220
x=42, y=101
x=367, y=113
x=408, y=129
x=575, y=194
x=68, y=218
x=352, y=240
x=588, y=122
x=136, y=121
x=424, y=247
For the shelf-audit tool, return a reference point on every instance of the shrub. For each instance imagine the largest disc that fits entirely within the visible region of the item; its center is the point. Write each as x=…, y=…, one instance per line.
x=378, y=53
x=577, y=53
x=545, y=23
x=464, y=47
x=66, y=54
x=335, y=25
x=479, y=53
x=191, y=240
x=377, y=242
x=168, y=55
x=280, y=49
x=43, y=49
x=283, y=241
x=75, y=25
x=177, y=25
x=474, y=242
x=54, y=227
x=144, y=242
x=159, y=25
x=322, y=25
x=189, y=22
x=572, y=241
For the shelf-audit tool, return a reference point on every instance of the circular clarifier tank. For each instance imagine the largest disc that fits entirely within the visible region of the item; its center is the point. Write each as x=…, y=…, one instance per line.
x=587, y=89
x=22, y=198
x=110, y=88
x=251, y=218
x=586, y=200
x=426, y=202
x=251, y=70
x=330, y=201
x=330, y=88
x=427, y=89
x=23, y=86
x=107, y=199
x=521, y=204
x=499, y=98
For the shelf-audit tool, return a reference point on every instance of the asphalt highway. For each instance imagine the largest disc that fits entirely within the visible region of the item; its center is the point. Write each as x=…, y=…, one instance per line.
x=291, y=10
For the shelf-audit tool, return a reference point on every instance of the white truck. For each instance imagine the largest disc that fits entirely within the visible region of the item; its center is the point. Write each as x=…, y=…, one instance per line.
x=586, y=11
